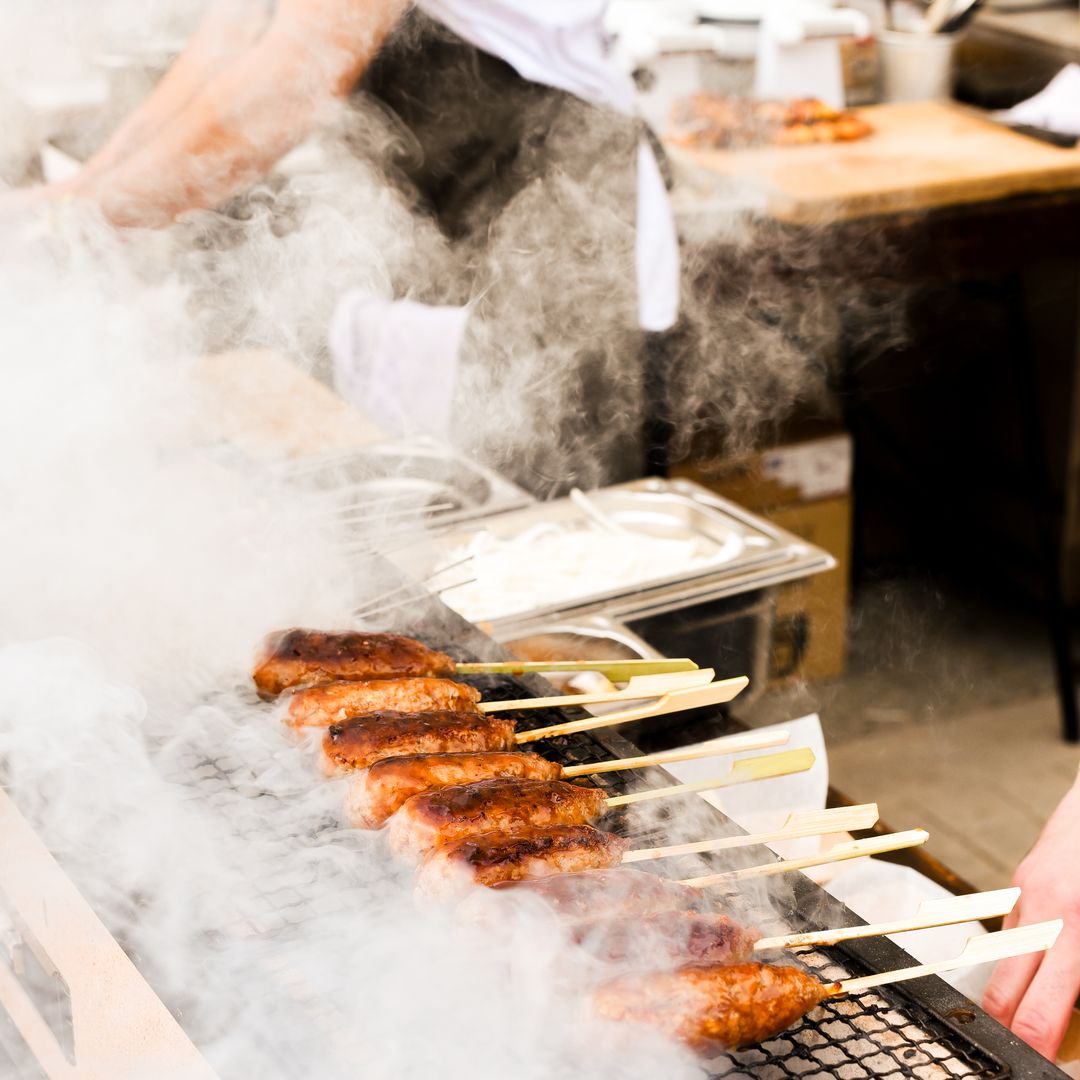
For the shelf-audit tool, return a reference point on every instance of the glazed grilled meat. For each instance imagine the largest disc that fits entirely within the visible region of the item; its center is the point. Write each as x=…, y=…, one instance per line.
x=306, y=657
x=714, y=1006
x=667, y=937
x=362, y=741
x=504, y=806
x=331, y=703
x=382, y=790
x=492, y=857
x=615, y=892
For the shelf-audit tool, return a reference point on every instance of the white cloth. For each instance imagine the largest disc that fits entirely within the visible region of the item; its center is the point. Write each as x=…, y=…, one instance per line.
x=1056, y=107
x=561, y=43
x=397, y=360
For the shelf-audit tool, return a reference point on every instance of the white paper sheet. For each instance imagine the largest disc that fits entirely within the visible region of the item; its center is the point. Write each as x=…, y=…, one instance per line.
x=764, y=805
x=880, y=892
x=1055, y=107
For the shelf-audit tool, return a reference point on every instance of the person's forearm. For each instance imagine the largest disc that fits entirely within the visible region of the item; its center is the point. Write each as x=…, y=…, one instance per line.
x=249, y=115
x=228, y=29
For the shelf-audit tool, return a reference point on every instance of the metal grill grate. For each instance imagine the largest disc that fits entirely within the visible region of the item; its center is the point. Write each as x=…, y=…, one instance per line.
x=915, y=1030
x=880, y=1034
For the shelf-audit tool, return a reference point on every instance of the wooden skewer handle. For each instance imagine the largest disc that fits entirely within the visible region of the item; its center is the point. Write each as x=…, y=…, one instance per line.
x=741, y=772
x=726, y=744
x=696, y=697
x=798, y=824
x=639, y=688
x=875, y=845
x=984, y=949
x=615, y=670
x=947, y=912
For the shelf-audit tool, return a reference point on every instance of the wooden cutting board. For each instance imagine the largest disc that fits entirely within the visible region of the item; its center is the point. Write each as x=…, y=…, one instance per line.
x=921, y=156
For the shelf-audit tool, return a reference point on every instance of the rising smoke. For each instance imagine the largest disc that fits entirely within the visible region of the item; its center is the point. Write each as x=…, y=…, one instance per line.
x=142, y=564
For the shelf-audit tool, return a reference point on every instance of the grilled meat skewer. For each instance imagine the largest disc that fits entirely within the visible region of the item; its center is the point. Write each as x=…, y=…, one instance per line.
x=488, y=858
x=383, y=789
x=612, y=892
x=309, y=657
x=332, y=703
x=503, y=805
x=714, y=1006
x=360, y=742
x=667, y=936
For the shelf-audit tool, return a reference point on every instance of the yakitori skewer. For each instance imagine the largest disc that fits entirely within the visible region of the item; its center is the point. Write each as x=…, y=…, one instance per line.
x=532, y=852
x=507, y=805
x=360, y=741
x=637, y=688
x=334, y=702
x=598, y=886
x=723, y=1006
x=299, y=657
x=536, y=852
x=715, y=693
x=381, y=790
x=798, y=824
x=695, y=937
x=947, y=911
x=852, y=849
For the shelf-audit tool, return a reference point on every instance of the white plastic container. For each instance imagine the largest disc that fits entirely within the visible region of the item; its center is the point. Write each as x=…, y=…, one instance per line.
x=916, y=66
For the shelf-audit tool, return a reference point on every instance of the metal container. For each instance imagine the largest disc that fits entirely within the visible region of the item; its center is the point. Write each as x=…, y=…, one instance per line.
x=743, y=553
x=591, y=635
x=422, y=479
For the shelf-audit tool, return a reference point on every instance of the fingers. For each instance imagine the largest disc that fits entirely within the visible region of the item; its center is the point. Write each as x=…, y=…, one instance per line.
x=1043, y=1014
x=1008, y=985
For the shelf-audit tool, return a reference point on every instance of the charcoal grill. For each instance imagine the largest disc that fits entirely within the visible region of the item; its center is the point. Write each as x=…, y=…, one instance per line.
x=921, y=1029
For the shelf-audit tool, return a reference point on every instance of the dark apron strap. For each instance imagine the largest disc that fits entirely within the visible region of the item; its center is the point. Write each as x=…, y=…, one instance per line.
x=474, y=131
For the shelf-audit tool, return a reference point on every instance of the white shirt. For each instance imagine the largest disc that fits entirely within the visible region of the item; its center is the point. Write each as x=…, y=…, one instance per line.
x=561, y=43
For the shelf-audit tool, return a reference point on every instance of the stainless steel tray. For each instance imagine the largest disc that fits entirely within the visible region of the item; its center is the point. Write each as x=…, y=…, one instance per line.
x=421, y=479
x=596, y=628
x=745, y=551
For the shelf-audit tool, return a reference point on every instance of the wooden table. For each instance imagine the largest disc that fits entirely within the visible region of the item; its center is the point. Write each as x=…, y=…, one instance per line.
x=921, y=156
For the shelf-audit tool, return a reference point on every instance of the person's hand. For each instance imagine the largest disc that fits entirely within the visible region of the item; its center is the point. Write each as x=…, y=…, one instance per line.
x=1034, y=995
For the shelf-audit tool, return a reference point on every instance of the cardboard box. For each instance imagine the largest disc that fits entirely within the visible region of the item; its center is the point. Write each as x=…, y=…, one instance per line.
x=804, y=486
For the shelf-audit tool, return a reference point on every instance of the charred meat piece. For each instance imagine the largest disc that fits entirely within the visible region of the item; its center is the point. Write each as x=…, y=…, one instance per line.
x=714, y=1006
x=667, y=937
x=492, y=857
x=362, y=741
x=499, y=805
x=331, y=703
x=307, y=657
x=382, y=790
x=614, y=892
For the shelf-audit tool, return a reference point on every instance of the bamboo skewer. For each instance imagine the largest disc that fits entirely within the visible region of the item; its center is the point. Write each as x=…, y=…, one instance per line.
x=638, y=688
x=714, y=694
x=742, y=771
x=799, y=824
x=982, y=949
x=726, y=744
x=615, y=670
x=855, y=849
x=944, y=912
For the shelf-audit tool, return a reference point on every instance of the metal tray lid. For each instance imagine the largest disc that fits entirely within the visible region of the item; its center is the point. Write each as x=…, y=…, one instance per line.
x=421, y=479
x=714, y=548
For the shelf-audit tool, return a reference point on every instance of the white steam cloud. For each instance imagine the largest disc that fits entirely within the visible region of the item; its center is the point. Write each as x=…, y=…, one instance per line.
x=142, y=565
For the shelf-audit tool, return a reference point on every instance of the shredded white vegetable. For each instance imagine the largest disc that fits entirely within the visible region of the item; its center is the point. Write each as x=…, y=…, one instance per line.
x=550, y=564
